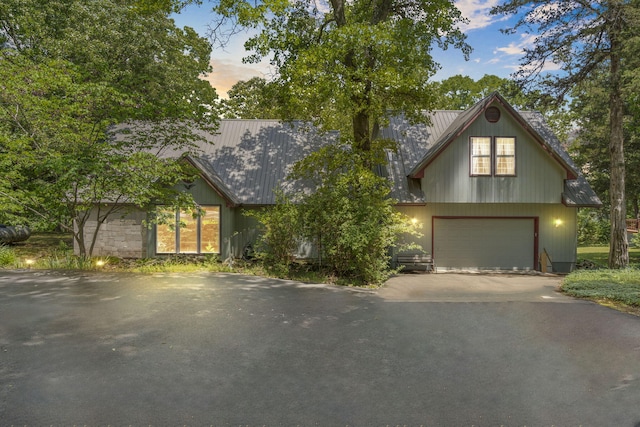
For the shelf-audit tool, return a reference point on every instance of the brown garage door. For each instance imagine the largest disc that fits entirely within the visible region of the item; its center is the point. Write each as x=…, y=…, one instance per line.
x=484, y=243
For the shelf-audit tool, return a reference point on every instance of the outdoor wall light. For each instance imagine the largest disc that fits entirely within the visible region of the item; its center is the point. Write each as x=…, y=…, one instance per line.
x=414, y=221
x=557, y=222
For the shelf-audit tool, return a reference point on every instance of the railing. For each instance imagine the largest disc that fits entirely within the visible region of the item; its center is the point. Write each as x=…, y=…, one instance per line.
x=633, y=225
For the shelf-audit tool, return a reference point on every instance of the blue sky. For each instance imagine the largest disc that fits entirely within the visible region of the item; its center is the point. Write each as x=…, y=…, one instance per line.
x=493, y=52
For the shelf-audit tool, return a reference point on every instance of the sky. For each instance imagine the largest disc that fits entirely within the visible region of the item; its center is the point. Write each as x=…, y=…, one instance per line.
x=493, y=52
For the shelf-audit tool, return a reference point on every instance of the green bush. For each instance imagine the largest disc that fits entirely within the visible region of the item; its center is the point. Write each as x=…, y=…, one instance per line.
x=280, y=235
x=594, y=228
x=350, y=217
x=7, y=256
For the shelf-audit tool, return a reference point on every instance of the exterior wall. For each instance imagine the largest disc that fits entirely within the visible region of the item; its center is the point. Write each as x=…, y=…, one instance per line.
x=120, y=235
x=559, y=240
x=539, y=178
x=204, y=195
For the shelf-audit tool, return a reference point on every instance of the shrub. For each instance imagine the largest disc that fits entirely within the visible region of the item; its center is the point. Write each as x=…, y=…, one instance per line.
x=280, y=237
x=7, y=256
x=350, y=217
x=593, y=227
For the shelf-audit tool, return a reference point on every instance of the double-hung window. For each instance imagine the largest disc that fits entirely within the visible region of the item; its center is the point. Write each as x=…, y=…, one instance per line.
x=183, y=234
x=493, y=156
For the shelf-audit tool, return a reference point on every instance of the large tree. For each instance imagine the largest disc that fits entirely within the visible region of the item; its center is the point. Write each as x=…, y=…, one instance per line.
x=581, y=37
x=348, y=65
x=69, y=72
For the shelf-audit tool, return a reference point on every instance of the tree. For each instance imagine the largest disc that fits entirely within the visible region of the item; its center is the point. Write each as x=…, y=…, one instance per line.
x=348, y=66
x=349, y=216
x=70, y=71
x=582, y=36
x=252, y=99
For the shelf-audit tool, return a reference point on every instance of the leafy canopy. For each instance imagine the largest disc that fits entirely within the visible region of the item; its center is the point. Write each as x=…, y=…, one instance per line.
x=348, y=65
x=69, y=71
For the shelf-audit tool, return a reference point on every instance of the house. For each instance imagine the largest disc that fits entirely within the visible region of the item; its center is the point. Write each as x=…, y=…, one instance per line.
x=492, y=187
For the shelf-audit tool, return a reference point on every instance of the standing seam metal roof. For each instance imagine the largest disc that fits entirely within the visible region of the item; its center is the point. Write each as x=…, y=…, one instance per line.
x=246, y=160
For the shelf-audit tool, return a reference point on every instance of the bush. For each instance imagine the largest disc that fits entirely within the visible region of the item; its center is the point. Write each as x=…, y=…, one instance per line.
x=594, y=228
x=350, y=217
x=7, y=256
x=280, y=237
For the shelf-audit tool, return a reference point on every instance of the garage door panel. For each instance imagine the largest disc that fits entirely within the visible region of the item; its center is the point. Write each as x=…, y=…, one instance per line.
x=484, y=243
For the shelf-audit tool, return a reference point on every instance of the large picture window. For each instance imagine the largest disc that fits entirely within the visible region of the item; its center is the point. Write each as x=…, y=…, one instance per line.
x=493, y=156
x=184, y=234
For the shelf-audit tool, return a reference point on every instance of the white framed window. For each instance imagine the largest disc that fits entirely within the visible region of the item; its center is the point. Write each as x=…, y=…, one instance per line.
x=505, y=156
x=480, y=155
x=492, y=156
x=181, y=233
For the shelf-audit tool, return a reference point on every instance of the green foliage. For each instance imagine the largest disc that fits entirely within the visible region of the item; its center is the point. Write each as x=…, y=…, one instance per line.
x=251, y=99
x=280, y=235
x=350, y=66
x=71, y=70
x=613, y=285
x=350, y=217
x=634, y=242
x=593, y=227
x=7, y=256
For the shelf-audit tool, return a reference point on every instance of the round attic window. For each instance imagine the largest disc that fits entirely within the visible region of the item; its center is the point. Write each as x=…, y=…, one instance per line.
x=492, y=114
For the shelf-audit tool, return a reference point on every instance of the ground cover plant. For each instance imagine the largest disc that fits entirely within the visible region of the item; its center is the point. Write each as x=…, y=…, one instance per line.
x=619, y=289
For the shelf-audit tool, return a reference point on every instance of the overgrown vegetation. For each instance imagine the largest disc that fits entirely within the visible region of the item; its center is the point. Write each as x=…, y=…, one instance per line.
x=349, y=220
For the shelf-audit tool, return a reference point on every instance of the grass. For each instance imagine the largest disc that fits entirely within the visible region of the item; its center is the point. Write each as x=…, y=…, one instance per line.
x=619, y=289
x=599, y=255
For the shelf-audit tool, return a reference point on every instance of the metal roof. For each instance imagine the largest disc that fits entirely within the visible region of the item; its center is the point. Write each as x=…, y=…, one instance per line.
x=246, y=160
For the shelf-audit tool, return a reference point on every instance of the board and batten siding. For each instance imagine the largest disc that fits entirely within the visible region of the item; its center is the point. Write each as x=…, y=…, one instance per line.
x=539, y=178
x=559, y=239
x=204, y=195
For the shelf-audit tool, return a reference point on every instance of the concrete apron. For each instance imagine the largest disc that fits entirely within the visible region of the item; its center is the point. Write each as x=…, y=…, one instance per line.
x=474, y=287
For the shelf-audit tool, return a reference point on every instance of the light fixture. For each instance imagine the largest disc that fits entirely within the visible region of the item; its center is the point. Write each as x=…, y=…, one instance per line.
x=557, y=222
x=414, y=221
x=29, y=262
x=99, y=263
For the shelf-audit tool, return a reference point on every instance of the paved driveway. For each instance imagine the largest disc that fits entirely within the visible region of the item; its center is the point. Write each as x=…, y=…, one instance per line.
x=223, y=350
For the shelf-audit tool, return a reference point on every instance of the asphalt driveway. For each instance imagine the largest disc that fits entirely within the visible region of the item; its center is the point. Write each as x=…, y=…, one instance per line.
x=223, y=350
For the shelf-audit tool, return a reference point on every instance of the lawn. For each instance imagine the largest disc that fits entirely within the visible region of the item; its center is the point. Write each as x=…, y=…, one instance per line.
x=619, y=289
x=600, y=255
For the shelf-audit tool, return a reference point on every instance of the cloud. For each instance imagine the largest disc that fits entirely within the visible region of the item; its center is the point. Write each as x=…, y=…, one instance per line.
x=477, y=12
x=227, y=72
x=517, y=48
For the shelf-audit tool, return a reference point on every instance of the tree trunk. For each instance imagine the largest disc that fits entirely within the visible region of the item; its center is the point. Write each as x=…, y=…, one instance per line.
x=619, y=246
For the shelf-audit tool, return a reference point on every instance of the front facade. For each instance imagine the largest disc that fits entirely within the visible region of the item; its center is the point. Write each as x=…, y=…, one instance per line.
x=492, y=187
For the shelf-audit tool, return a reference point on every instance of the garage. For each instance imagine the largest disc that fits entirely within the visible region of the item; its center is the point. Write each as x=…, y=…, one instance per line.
x=495, y=243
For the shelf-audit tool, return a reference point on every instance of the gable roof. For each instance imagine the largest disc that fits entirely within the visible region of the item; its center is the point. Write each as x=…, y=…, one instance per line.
x=532, y=122
x=246, y=160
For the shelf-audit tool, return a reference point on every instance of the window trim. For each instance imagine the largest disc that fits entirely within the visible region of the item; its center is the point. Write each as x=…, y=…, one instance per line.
x=493, y=156
x=496, y=156
x=176, y=234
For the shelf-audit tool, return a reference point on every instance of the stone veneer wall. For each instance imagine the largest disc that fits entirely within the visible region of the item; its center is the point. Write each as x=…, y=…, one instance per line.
x=119, y=236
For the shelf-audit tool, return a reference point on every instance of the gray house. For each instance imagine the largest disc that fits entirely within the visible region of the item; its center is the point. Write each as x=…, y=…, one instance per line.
x=492, y=187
